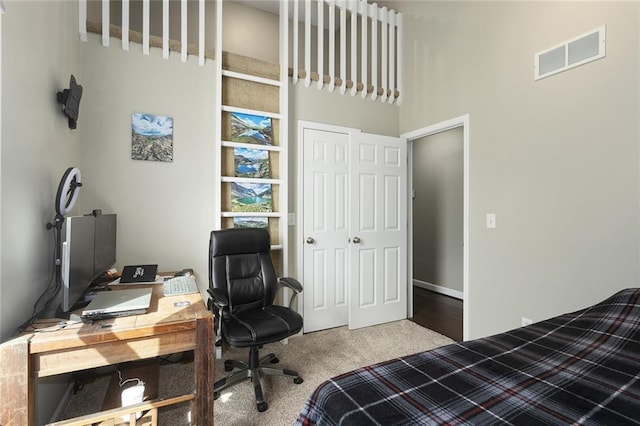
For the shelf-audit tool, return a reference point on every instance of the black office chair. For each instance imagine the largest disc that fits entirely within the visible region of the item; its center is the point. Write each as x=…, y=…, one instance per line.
x=242, y=286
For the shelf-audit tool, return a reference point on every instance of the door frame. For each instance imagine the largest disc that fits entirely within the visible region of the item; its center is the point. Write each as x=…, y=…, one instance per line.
x=460, y=121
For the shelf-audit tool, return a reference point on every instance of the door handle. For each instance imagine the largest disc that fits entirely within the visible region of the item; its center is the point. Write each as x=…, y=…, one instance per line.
x=356, y=240
x=310, y=240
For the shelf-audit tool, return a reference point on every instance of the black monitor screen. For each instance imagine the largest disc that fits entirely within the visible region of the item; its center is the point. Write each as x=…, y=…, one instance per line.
x=88, y=251
x=105, y=243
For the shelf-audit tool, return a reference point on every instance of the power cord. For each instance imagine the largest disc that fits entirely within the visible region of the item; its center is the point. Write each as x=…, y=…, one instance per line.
x=122, y=382
x=55, y=327
x=46, y=294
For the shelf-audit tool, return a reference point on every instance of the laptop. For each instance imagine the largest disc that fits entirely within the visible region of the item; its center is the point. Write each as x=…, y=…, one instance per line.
x=138, y=274
x=118, y=303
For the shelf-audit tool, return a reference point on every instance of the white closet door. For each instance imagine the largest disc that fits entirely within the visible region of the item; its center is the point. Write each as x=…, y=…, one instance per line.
x=325, y=228
x=378, y=230
x=354, y=230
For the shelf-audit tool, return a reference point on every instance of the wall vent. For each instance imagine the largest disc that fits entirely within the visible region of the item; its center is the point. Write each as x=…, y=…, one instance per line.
x=571, y=53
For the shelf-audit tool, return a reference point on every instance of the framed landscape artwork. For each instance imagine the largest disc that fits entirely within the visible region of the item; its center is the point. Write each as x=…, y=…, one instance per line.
x=151, y=137
x=250, y=222
x=251, y=163
x=249, y=128
x=251, y=197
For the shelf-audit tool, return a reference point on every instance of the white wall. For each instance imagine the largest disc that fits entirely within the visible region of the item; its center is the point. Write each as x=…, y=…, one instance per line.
x=40, y=50
x=555, y=159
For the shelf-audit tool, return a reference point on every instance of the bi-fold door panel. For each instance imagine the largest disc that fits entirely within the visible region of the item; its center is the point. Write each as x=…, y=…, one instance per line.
x=378, y=249
x=325, y=229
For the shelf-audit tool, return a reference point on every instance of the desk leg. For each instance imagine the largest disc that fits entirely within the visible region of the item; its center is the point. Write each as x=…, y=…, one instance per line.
x=17, y=390
x=203, y=364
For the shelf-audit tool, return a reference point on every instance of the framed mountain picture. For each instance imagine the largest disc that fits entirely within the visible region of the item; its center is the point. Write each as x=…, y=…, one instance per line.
x=151, y=137
x=251, y=197
x=250, y=222
x=251, y=163
x=249, y=128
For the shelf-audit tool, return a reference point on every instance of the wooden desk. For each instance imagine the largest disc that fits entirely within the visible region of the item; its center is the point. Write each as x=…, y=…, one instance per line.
x=163, y=330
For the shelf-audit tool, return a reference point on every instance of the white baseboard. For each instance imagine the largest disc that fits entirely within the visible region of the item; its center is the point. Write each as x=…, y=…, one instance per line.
x=439, y=289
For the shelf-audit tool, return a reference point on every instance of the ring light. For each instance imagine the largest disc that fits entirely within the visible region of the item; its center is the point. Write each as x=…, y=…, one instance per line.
x=68, y=191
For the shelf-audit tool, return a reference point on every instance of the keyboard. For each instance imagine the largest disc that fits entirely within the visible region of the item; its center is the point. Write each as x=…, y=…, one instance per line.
x=179, y=285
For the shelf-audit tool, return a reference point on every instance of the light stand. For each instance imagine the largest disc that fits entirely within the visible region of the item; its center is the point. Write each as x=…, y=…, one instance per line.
x=65, y=199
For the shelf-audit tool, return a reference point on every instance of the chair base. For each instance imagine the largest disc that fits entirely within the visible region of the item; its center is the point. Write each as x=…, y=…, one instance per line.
x=255, y=369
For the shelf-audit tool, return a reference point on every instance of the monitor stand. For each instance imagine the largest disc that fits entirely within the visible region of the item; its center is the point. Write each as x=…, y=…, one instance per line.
x=53, y=308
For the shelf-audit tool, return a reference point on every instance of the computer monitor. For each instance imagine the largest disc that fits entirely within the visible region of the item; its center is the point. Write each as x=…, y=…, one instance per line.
x=88, y=250
x=105, y=243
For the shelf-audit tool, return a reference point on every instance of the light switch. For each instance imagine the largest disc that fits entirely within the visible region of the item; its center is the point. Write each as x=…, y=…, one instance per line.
x=491, y=220
x=291, y=219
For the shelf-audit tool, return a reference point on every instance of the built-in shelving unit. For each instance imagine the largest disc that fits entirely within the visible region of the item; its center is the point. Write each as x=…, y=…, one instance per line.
x=249, y=86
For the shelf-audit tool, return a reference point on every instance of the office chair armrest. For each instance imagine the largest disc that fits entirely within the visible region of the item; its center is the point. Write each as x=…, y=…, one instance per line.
x=218, y=298
x=291, y=283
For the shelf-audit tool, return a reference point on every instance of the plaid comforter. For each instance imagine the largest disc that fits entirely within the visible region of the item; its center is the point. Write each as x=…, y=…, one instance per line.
x=578, y=368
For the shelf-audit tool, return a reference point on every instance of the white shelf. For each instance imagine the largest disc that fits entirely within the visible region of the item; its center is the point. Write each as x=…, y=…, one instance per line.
x=250, y=180
x=230, y=144
x=227, y=108
x=253, y=214
x=249, y=77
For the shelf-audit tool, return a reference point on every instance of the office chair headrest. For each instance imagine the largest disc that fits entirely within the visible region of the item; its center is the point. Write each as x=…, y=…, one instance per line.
x=239, y=241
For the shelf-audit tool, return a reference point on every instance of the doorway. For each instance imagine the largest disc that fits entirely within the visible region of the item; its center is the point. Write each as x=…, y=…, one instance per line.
x=439, y=253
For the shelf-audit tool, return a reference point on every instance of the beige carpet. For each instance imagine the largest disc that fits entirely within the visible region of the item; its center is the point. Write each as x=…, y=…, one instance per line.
x=315, y=356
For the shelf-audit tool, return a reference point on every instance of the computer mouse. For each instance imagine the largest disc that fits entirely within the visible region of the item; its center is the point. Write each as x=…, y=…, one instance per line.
x=183, y=273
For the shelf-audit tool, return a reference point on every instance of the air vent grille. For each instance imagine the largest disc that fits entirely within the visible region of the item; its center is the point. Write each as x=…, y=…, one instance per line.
x=571, y=53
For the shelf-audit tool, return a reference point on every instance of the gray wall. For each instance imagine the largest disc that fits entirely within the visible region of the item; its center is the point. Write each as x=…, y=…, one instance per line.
x=165, y=210
x=322, y=106
x=40, y=50
x=438, y=209
x=555, y=159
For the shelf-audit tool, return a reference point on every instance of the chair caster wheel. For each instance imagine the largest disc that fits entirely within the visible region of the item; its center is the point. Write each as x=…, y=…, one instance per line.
x=262, y=406
x=275, y=360
x=298, y=380
x=228, y=365
x=216, y=395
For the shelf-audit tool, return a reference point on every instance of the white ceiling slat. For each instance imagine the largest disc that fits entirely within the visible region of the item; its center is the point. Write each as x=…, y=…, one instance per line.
x=183, y=30
x=354, y=46
x=145, y=27
x=165, y=29
x=384, y=65
x=363, y=60
x=374, y=50
x=307, y=43
x=125, y=24
x=343, y=47
x=332, y=45
x=82, y=18
x=105, y=23
x=296, y=64
x=392, y=56
x=320, y=65
x=201, y=33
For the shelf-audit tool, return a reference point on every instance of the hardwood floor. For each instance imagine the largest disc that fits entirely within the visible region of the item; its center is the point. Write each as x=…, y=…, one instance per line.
x=438, y=312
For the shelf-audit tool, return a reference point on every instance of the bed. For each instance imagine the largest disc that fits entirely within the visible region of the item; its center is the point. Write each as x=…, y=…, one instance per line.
x=577, y=368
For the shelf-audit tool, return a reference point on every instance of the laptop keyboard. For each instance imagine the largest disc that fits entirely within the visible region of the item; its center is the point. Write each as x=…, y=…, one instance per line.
x=179, y=285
